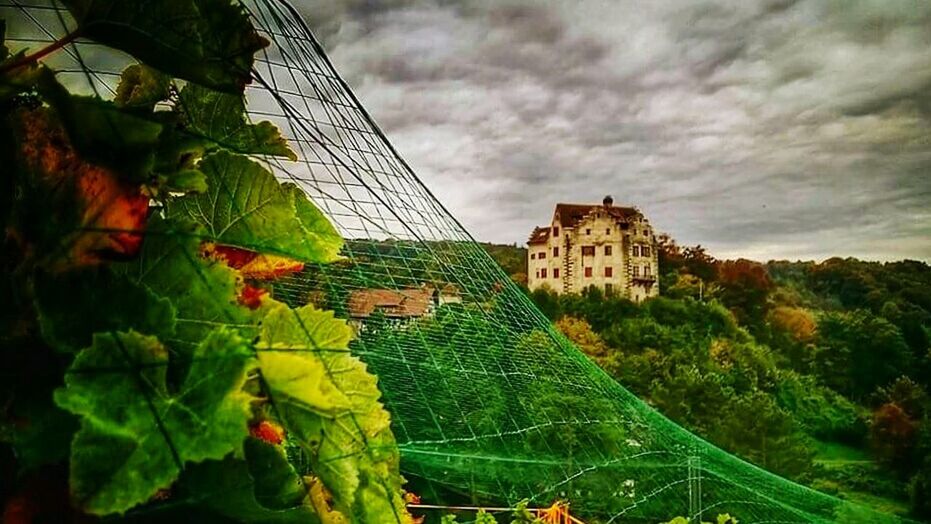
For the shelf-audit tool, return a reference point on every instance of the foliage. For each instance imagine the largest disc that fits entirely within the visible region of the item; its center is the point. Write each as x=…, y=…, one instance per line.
x=858, y=352
x=816, y=350
x=143, y=247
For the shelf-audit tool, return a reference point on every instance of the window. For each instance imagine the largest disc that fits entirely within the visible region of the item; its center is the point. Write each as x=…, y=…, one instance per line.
x=542, y=255
x=636, y=251
x=555, y=251
x=533, y=256
x=609, y=289
x=609, y=271
x=588, y=231
x=646, y=271
x=588, y=251
x=608, y=231
x=555, y=272
x=538, y=273
x=555, y=231
x=543, y=273
x=636, y=271
x=588, y=272
x=607, y=251
x=645, y=251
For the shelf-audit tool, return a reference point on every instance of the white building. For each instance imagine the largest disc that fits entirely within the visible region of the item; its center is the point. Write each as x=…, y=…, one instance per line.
x=610, y=247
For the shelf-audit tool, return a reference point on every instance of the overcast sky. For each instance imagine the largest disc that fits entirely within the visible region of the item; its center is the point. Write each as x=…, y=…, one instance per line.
x=758, y=128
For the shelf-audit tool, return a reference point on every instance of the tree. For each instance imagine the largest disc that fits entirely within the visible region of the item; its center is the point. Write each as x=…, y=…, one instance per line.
x=858, y=352
x=580, y=333
x=893, y=435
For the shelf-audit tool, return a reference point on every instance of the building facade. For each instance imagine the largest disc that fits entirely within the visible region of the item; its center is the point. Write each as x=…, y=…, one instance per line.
x=610, y=247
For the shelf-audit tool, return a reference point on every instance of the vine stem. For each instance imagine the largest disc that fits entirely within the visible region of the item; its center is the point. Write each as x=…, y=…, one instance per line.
x=41, y=53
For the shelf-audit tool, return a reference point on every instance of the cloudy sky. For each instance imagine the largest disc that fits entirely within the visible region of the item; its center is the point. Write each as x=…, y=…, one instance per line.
x=759, y=128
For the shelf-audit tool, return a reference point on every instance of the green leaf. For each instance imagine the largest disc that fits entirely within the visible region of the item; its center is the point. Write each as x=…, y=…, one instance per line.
x=330, y=404
x=102, y=132
x=136, y=433
x=185, y=181
x=245, y=206
x=210, y=42
x=221, y=119
x=73, y=306
x=234, y=488
x=315, y=226
x=141, y=87
x=203, y=292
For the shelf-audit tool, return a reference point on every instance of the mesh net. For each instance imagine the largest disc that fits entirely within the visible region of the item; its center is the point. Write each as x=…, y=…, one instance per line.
x=489, y=404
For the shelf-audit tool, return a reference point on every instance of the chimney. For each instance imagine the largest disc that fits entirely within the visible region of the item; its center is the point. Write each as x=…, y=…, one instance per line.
x=608, y=201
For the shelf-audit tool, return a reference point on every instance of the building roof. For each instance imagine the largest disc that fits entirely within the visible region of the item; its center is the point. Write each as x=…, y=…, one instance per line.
x=401, y=303
x=571, y=214
x=540, y=235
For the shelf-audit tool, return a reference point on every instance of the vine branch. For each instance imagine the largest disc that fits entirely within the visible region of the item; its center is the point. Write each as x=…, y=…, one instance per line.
x=41, y=53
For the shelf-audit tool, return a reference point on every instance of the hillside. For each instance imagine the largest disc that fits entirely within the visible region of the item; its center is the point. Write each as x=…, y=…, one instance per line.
x=816, y=371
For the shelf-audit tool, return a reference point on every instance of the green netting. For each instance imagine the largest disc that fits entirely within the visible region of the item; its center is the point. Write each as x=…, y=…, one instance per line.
x=489, y=404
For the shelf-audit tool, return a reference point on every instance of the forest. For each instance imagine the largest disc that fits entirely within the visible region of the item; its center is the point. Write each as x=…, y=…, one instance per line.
x=818, y=371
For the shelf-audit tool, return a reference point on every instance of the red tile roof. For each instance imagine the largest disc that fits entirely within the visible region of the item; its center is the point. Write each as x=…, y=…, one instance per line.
x=403, y=303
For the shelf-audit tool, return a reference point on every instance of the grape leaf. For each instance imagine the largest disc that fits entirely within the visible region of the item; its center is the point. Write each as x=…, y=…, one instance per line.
x=234, y=487
x=202, y=291
x=221, y=119
x=72, y=306
x=141, y=87
x=245, y=206
x=330, y=404
x=184, y=181
x=136, y=433
x=210, y=42
x=102, y=132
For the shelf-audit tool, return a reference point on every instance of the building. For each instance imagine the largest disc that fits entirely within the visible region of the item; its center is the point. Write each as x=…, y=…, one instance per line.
x=610, y=247
x=398, y=306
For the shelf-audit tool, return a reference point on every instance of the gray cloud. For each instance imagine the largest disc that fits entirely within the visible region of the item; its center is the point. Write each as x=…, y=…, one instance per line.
x=764, y=128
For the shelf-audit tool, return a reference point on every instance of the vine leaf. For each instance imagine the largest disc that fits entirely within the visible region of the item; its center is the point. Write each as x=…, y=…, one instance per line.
x=330, y=404
x=209, y=42
x=221, y=118
x=246, y=207
x=74, y=305
x=262, y=489
x=203, y=291
x=141, y=87
x=103, y=133
x=136, y=433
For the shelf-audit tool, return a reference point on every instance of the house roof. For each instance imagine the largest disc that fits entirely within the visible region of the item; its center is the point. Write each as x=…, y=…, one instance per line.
x=540, y=235
x=401, y=303
x=571, y=214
